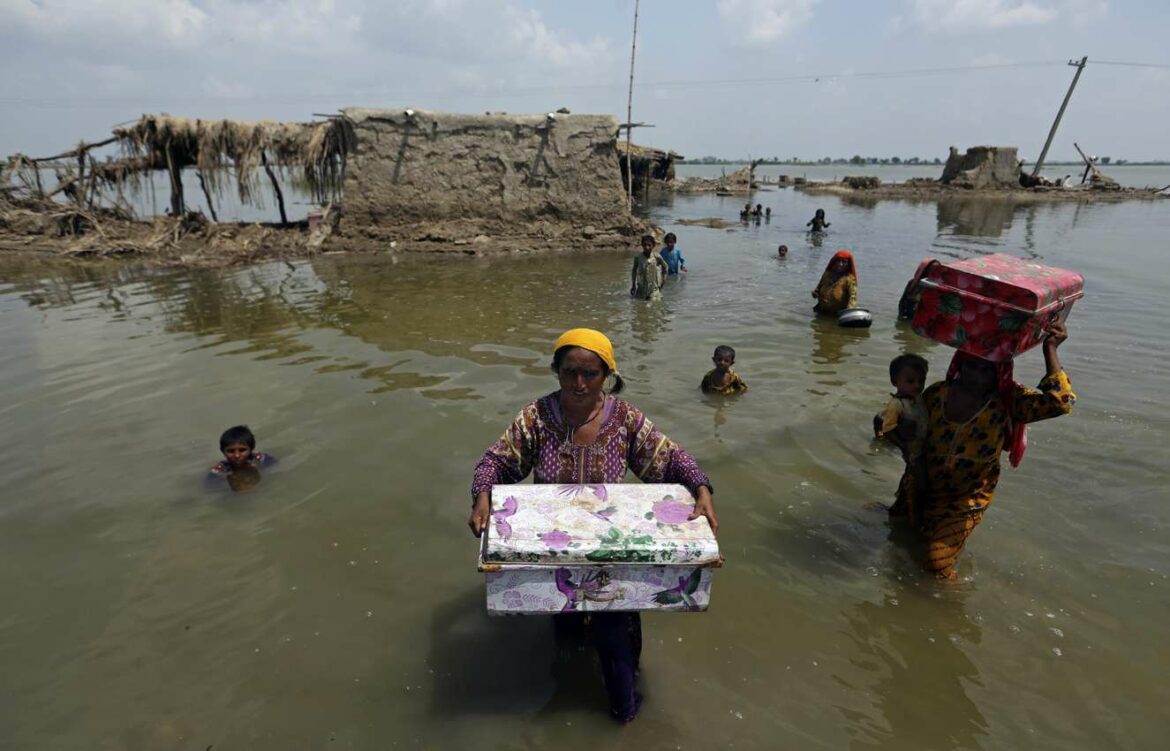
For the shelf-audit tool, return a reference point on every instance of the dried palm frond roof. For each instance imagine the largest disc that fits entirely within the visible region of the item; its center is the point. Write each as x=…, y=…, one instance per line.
x=316, y=149
x=646, y=152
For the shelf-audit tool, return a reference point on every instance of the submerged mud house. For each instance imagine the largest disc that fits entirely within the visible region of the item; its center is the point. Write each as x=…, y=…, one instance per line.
x=651, y=166
x=521, y=180
x=407, y=179
x=984, y=171
x=983, y=167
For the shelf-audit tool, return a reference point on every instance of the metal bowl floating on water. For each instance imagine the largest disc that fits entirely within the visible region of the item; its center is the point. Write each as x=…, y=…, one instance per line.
x=855, y=318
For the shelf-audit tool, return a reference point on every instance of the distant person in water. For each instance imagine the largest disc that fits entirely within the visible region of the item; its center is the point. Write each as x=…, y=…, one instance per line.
x=672, y=255
x=837, y=289
x=818, y=222
x=747, y=211
x=722, y=379
x=768, y=214
x=782, y=251
x=241, y=461
x=648, y=273
x=758, y=211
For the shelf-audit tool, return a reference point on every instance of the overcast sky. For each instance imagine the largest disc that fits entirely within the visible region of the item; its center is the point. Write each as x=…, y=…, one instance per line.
x=72, y=69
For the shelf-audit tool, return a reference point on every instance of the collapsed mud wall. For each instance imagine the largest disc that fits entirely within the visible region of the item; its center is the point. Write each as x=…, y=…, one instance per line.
x=443, y=176
x=983, y=167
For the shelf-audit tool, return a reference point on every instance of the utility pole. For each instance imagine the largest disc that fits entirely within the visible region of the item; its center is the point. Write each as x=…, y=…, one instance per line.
x=630, y=116
x=1056, y=123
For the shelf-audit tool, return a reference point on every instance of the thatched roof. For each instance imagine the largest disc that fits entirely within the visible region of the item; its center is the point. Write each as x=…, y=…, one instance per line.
x=316, y=150
x=646, y=152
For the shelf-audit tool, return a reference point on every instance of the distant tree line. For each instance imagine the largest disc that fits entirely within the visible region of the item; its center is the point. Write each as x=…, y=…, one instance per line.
x=858, y=159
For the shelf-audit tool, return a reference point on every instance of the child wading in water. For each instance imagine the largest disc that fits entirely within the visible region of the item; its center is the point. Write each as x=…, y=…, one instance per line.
x=903, y=420
x=672, y=255
x=648, y=273
x=241, y=461
x=722, y=379
x=818, y=222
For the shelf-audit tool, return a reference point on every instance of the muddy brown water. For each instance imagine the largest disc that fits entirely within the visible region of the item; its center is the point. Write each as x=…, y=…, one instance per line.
x=337, y=605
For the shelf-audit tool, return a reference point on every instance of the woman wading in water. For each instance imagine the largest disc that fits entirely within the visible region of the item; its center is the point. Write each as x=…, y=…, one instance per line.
x=580, y=434
x=972, y=416
x=837, y=289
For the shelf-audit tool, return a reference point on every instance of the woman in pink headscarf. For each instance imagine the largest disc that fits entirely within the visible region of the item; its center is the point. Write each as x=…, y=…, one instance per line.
x=975, y=414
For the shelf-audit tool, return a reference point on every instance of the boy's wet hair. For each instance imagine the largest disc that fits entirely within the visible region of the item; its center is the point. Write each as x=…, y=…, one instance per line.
x=723, y=349
x=649, y=239
x=237, y=434
x=559, y=357
x=901, y=362
x=670, y=237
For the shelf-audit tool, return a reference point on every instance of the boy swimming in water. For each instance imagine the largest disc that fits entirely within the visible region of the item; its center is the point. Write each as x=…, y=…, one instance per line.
x=722, y=379
x=238, y=446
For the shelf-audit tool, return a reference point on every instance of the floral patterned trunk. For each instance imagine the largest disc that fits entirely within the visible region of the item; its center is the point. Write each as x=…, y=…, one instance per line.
x=582, y=548
x=994, y=306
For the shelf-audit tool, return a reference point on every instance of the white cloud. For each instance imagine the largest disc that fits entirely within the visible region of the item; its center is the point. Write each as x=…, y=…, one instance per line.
x=178, y=21
x=528, y=32
x=754, y=22
x=957, y=15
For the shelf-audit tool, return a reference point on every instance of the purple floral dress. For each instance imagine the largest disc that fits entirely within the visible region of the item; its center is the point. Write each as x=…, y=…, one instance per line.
x=538, y=442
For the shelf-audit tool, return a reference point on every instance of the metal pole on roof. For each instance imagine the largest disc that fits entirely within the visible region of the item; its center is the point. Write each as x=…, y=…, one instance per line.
x=630, y=116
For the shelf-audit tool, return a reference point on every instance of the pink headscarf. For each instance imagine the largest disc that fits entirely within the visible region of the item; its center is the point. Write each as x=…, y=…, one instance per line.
x=1015, y=436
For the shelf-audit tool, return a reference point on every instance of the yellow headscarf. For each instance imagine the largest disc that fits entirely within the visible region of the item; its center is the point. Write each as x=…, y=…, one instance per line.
x=594, y=341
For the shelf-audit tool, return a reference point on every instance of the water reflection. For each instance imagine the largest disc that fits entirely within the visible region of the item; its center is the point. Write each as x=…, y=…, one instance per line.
x=860, y=200
x=649, y=319
x=721, y=406
x=896, y=643
x=243, y=479
x=975, y=218
x=829, y=343
x=485, y=665
x=492, y=312
x=906, y=341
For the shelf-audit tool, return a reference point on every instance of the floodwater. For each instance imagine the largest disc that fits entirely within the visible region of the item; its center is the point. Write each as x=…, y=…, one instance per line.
x=1128, y=175
x=337, y=606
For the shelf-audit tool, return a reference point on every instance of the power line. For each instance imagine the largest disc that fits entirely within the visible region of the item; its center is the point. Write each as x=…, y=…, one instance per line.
x=1130, y=65
x=114, y=102
x=865, y=75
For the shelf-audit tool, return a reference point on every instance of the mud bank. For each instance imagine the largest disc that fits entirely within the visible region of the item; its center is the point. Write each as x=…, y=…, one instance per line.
x=194, y=242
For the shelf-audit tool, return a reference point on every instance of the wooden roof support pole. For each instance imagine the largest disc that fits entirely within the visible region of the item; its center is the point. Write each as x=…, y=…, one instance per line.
x=630, y=116
x=275, y=187
x=207, y=195
x=79, y=196
x=176, y=184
